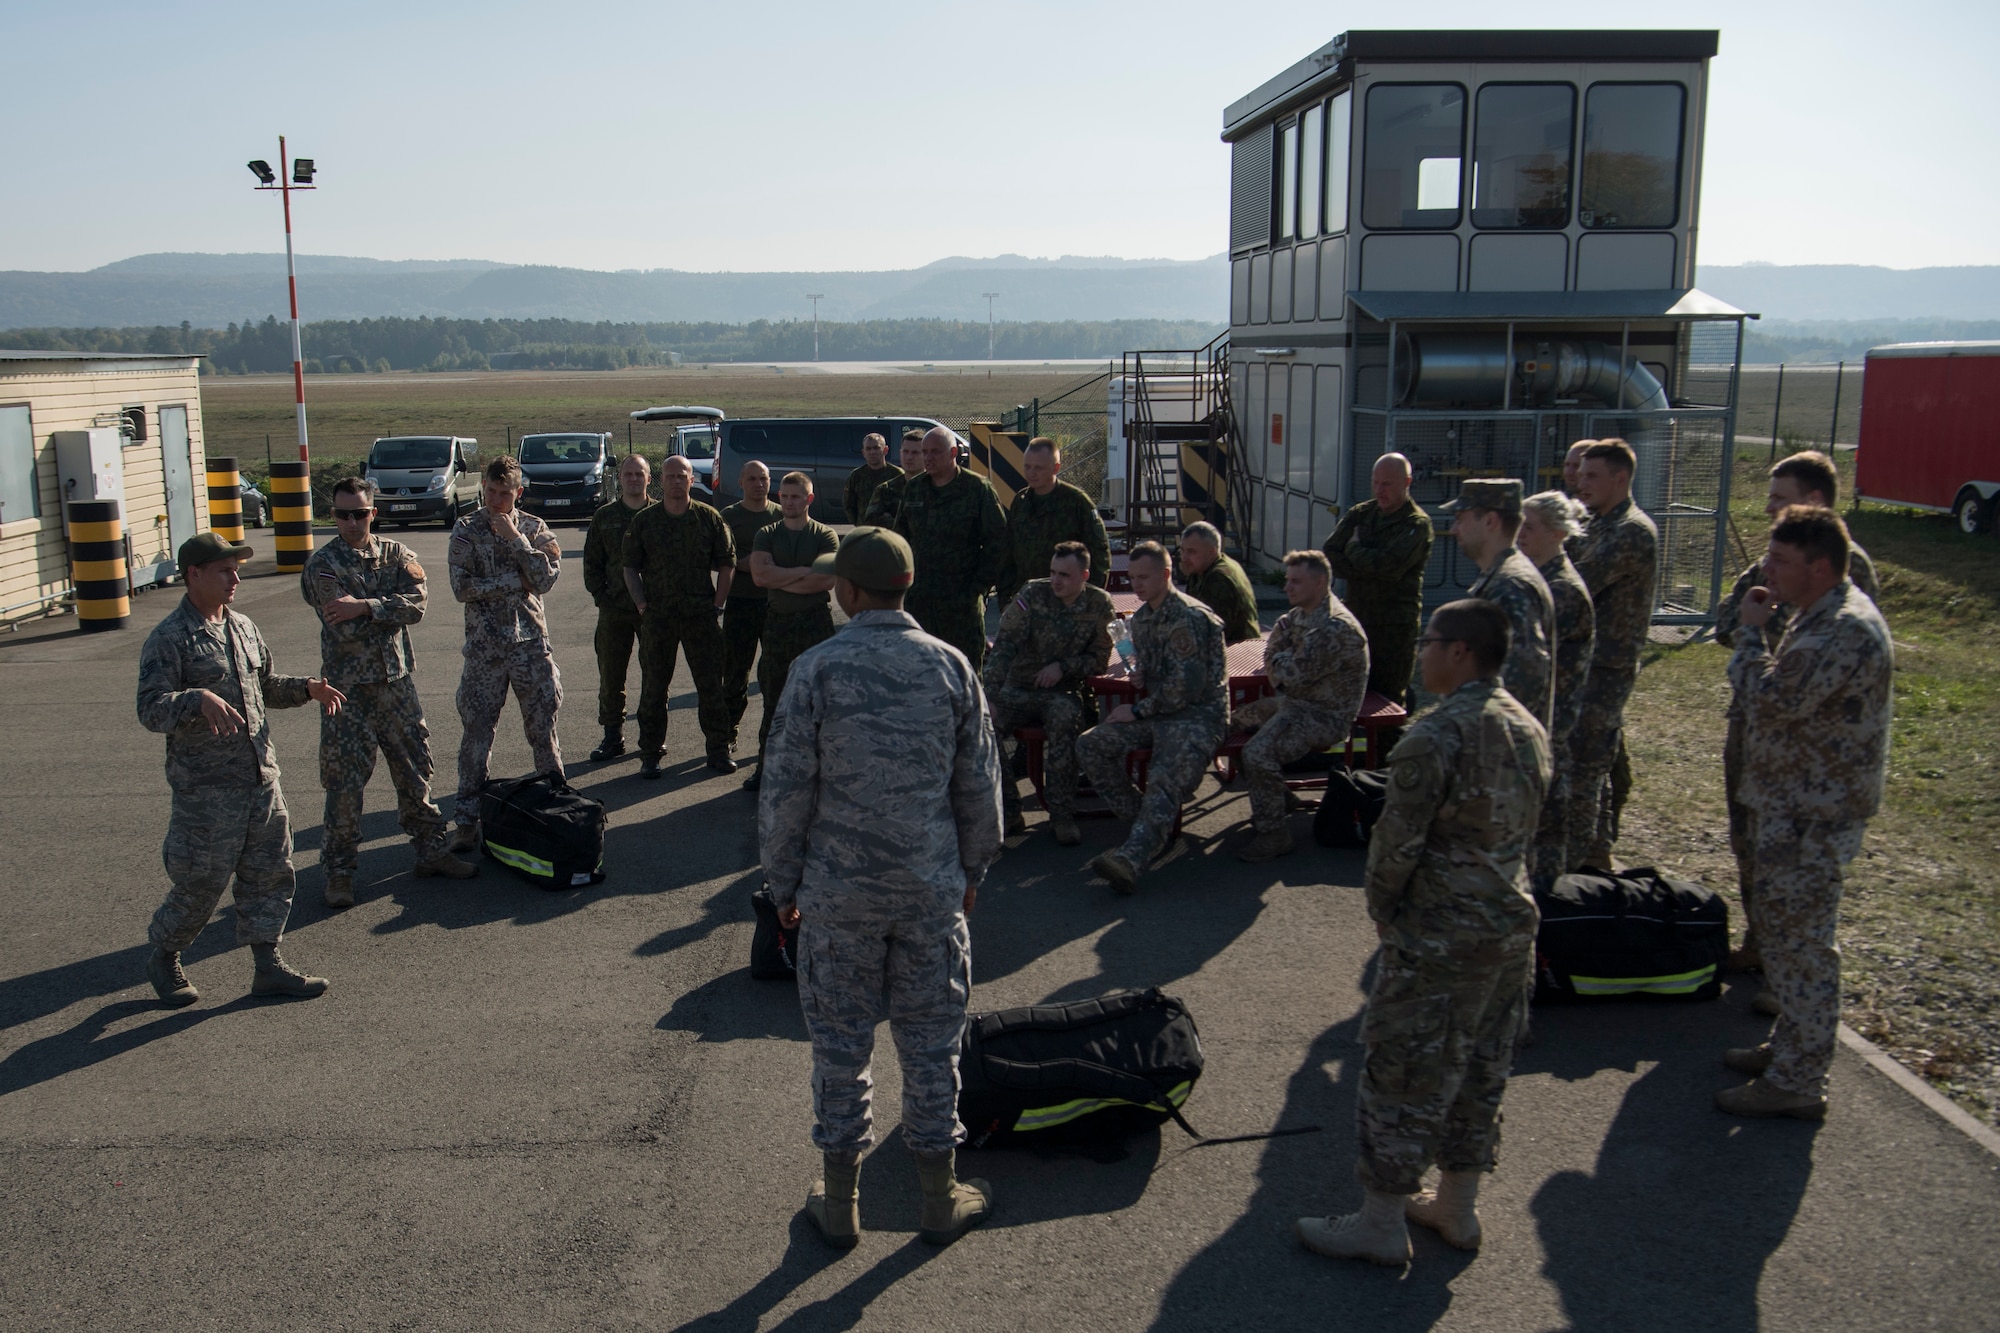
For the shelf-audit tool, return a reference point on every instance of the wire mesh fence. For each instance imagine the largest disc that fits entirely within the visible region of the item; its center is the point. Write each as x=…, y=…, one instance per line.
x=1076, y=419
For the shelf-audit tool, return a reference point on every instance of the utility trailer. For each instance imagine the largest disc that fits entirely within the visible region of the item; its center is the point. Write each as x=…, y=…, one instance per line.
x=1930, y=430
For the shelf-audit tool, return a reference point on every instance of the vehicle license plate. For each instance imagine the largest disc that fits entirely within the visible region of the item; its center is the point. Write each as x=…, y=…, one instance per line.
x=402, y=509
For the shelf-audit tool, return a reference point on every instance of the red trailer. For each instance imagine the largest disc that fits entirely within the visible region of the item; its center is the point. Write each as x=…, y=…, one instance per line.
x=1930, y=429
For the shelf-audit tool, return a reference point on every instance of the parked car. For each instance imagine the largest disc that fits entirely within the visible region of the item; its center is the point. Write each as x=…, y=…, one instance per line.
x=696, y=440
x=569, y=474
x=256, y=509
x=419, y=477
x=824, y=448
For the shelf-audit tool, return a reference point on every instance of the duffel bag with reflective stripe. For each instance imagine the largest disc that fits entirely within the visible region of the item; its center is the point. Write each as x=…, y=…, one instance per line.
x=1636, y=933
x=543, y=830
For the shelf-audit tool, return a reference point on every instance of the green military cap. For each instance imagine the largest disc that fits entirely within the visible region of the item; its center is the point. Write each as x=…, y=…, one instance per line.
x=876, y=558
x=205, y=547
x=1502, y=495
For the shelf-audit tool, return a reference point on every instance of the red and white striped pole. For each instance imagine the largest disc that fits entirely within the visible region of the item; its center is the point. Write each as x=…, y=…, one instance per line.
x=292, y=281
x=290, y=486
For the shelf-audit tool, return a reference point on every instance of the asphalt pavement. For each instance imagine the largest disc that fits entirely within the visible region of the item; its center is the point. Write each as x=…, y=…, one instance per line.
x=527, y=1110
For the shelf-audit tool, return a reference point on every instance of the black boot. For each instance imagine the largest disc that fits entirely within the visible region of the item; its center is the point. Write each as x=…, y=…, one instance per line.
x=611, y=747
x=649, y=766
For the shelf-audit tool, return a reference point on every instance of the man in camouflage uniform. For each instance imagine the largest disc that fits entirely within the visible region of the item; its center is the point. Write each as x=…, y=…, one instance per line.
x=953, y=522
x=1806, y=478
x=743, y=615
x=205, y=681
x=1382, y=547
x=1447, y=886
x=617, y=618
x=1816, y=711
x=1547, y=521
x=502, y=561
x=1485, y=518
x=1182, y=666
x=1044, y=514
x=367, y=591
x=679, y=562
x=1054, y=636
x=887, y=497
x=882, y=717
x=861, y=483
x=1618, y=559
x=1218, y=582
x=781, y=560
x=1317, y=661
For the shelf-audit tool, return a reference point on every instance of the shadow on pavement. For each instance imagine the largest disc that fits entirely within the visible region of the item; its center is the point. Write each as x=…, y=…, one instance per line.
x=805, y=1256
x=36, y=995
x=728, y=905
x=86, y=1044
x=734, y=1007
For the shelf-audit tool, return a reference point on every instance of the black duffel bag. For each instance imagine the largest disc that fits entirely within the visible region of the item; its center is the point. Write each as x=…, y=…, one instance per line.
x=1636, y=933
x=1070, y=1072
x=543, y=830
x=1353, y=802
x=773, y=949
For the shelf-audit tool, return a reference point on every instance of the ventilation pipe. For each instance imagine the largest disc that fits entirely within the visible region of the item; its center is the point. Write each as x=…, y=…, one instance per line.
x=1471, y=370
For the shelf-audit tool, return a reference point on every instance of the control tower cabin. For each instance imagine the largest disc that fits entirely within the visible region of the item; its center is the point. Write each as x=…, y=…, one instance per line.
x=1475, y=248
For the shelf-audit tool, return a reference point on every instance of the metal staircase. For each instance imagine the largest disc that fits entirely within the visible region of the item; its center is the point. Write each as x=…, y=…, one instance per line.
x=1182, y=444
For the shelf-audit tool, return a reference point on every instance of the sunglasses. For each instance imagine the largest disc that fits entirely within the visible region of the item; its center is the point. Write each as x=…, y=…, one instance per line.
x=352, y=515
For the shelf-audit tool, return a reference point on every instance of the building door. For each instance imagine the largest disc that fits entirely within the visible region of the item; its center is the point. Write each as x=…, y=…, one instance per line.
x=179, y=468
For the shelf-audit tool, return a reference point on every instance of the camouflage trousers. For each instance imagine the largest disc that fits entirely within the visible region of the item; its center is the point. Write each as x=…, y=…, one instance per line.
x=1286, y=730
x=742, y=630
x=786, y=635
x=1742, y=821
x=958, y=619
x=1061, y=717
x=384, y=716
x=530, y=670
x=1182, y=750
x=1440, y=1037
x=1797, y=907
x=1551, y=844
x=216, y=832
x=617, y=634
x=1595, y=743
x=1392, y=654
x=918, y=975
x=695, y=634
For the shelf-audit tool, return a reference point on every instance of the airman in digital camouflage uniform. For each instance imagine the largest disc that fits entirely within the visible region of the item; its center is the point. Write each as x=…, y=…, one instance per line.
x=1218, y=582
x=882, y=717
x=1054, y=636
x=617, y=617
x=1485, y=518
x=781, y=561
x=861, y=483
x=1182, y=666
x=205, y=681
x=1618, y=559
x=1806, y=478
x=1045, y=513
x=502, y=561
x=1816, y=710
x=1447, y=886
x=953, y=523
x=1317, y=661
x=1547, y=521
x=743, y=615
x=368, y=591
x=1382, y=546
x=679, y=565
x=887, y=497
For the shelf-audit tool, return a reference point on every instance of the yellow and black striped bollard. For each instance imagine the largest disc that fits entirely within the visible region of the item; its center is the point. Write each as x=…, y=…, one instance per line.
x=98, y=572
x=225, y=500
x=291, y=515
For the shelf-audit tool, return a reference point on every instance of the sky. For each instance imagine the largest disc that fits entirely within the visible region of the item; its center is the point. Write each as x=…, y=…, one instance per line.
x=810, y=136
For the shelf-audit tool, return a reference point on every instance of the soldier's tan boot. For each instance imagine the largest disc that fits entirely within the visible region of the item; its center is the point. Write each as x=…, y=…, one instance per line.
x=340, y=888
x=464, y=837
x=1377, y=1233
x=1062, y=827
x=274, y=976
x=1761, y=1100
x=1765, y=1002
x=1113, y=866
x=1748, y=1059
x=951, y=1206
x=441, y=864
x=163, y=969
x=834, y=1203
x=1267, y=846
x=1449, y=1209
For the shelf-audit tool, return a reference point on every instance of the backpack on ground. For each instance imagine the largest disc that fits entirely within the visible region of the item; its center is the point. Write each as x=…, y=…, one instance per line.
x=1636, y=933
x=543, y=830
x=1353, y=802
x=773, y=949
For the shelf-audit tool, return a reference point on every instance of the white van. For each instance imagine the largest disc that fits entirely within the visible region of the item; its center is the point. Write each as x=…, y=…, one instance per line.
x=422, y=477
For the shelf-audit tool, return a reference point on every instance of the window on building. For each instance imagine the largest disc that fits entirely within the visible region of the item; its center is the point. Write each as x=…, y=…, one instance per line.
x=1521, y=155
x=1415, y=145
x=20, y=489
x=1632, y=155
x=1309, y=164
x=1288, y=182
x=1250, y=191
x=1339, y=123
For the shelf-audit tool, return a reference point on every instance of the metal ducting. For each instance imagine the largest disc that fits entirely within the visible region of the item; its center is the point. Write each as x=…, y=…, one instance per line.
x=1471, y=370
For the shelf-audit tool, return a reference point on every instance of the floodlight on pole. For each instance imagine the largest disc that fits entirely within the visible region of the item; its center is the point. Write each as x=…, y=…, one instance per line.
x=990, y=298
x=815, y=298
x=262, y=170
x=301, y=179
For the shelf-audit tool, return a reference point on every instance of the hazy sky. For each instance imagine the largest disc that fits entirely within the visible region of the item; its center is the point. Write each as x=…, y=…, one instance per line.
x=782, y=135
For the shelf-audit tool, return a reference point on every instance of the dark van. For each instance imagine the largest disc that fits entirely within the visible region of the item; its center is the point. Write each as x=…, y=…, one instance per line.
x=824, y=448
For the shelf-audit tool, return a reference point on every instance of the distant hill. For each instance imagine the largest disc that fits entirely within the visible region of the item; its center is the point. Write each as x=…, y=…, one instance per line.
x=1804, y=292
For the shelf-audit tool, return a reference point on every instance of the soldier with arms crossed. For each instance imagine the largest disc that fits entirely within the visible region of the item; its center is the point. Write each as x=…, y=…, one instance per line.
x=617, y=618
x=743, y=615
x=782, y=563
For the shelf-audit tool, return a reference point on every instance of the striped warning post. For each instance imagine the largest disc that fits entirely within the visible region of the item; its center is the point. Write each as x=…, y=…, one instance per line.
x=98, y=571
x=225, y=500
x=996, y=456
x=291, y=515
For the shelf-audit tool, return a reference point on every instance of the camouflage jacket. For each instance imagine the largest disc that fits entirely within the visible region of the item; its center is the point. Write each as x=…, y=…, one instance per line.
x=792, y=550
x=1576, y=631
x=1383, y=557
x=185, y=655
x=886, y=500
x=502, y=583
x=604, y=558
x=1035, y=523
x=861, y=487
x=744, y=525
x=677, y=556
x=1318, y=657
x=1619, y=558
x=1816, y=710
x=384, y=574
x=881, y=717
x=1448, y=861
x=1225, y=589
x=1517, y=587
x=1037, y=629
x=1729, y=613
x=957, y=533
x=1180, y=650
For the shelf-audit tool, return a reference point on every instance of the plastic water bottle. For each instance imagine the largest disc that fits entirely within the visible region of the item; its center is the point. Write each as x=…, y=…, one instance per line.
x=1121, y=638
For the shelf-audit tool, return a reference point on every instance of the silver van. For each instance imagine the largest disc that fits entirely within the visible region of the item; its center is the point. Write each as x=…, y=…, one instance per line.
x=695, y=440
x=824, y=448
x=422, y=477
x=569, y=474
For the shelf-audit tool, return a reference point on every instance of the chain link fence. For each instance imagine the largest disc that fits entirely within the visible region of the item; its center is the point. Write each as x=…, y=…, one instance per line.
x=1078, y=420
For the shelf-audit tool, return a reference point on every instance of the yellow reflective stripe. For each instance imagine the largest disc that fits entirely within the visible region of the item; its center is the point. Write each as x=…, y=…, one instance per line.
x=1045, y=1117
x=520, y=860
x=1678, y=984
